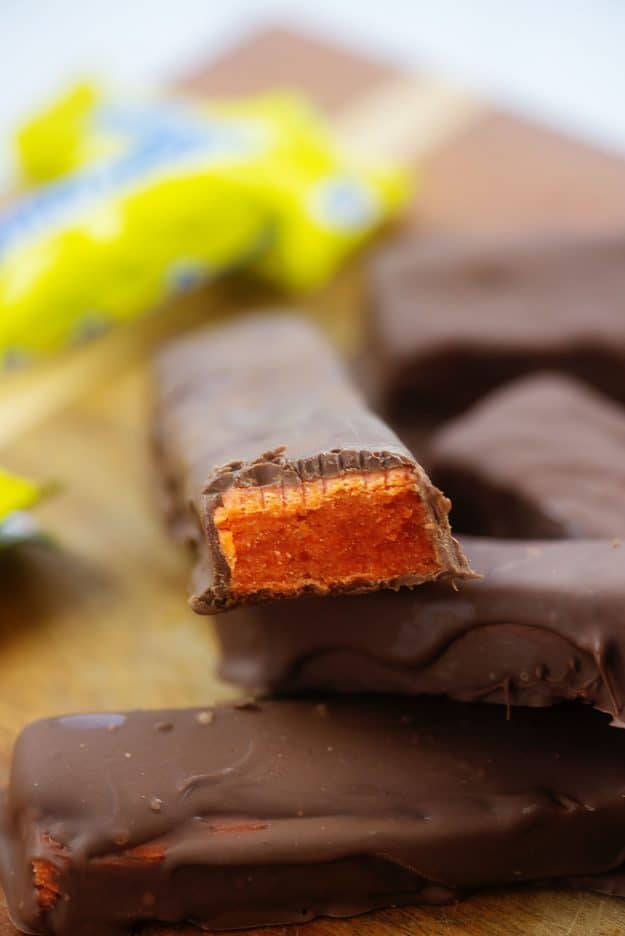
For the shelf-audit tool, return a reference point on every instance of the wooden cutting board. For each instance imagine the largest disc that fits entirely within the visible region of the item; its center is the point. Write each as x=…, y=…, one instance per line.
x=101, y=622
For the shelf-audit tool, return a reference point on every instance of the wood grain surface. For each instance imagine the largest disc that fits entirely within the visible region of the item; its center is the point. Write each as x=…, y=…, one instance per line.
x=100, y=621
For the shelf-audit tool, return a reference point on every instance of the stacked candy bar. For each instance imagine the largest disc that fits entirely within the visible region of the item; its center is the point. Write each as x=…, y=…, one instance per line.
x=325, y=551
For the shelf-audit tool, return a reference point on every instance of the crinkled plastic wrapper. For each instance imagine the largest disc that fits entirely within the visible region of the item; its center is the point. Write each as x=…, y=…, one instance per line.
x=17, y=495
x=129, y=203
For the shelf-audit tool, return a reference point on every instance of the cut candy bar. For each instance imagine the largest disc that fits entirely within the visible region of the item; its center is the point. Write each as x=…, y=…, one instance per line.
x=282, y=479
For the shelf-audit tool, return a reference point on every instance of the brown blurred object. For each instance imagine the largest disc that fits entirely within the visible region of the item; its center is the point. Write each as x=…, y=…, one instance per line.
x=331, y=77
x=104, y=624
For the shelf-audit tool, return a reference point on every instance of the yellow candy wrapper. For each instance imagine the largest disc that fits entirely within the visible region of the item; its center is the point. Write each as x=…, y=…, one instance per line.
x=132, y=202
x=116, y=234
x=322, y=202
x=16, y=496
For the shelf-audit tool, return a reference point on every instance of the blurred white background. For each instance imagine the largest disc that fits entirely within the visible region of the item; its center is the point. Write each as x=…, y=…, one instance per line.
x=560, y=60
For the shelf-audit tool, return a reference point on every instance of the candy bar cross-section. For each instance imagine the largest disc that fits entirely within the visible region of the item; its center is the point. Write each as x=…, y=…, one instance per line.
x=282, y=479
x=545, y=624
x=288, y=810
x=452, y=319
x=542, y=457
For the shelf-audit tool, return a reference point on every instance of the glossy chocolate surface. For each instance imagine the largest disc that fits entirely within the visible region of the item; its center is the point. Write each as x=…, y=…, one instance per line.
x=543, y=457
x=281, y=811
x=545, y=624
x=452, y=319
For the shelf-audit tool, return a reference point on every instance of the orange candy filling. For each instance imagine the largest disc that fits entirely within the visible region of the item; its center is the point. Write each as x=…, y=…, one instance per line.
x=327, y=532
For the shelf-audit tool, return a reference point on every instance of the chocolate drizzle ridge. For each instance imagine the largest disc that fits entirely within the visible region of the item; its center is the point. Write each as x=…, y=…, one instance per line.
x=273, y=467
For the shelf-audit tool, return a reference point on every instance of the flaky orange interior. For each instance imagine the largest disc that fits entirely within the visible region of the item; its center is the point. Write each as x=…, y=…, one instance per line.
x=326, y=532
x=45, y=879
x=46, y=875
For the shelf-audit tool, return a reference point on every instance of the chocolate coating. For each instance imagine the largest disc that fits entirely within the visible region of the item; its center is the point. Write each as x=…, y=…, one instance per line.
x=264, y=401
x=288, y=810
x=450, y=320
x=545, y=624
x=543, y=457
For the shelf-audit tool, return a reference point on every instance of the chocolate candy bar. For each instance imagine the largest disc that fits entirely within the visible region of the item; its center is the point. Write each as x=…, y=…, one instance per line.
x=545, y=624
x=451, y=320
x=282, y=479
x=543, y=457
x=280, y=812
